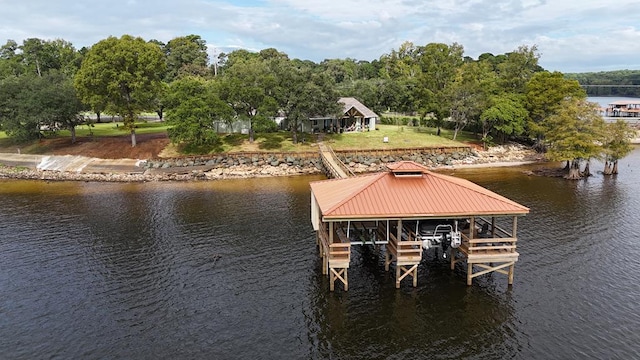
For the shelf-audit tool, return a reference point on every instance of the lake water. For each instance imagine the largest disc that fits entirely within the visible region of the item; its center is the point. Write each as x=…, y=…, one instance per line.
x=229, y=270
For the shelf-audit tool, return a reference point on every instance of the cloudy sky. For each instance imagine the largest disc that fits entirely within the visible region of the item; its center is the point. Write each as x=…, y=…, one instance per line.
x=571, y=35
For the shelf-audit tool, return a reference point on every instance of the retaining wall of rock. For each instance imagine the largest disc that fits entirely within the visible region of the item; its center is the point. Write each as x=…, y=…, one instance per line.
x=245, y=165
x=305, y=159
x=375, y=160
x=277, y=164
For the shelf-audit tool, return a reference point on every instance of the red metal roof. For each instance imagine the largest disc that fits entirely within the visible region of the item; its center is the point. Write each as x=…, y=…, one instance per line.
x=408, y=190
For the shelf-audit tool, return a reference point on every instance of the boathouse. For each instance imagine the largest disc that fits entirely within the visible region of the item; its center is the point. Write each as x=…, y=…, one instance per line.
x=623, y=108
x=410, y=209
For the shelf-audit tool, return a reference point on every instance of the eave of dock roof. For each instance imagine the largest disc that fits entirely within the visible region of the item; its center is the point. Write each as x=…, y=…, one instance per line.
x=408, y=190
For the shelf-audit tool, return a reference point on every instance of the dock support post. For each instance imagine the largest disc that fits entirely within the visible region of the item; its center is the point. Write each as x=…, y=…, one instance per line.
x=402, y=272
x=331, y=280
x=346, y=281
x=338, y=274
x=511, y=268
x=472, y=230
x=513, y=233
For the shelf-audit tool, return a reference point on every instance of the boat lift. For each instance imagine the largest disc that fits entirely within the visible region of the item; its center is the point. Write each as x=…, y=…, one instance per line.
x=441, y=236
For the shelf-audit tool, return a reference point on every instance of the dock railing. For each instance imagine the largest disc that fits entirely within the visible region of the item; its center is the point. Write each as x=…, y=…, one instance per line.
x=407, y=254
x=494, y=251
x=336, y=257
x=334, y=166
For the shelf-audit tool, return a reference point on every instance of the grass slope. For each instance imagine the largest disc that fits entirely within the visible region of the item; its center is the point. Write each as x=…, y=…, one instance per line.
x=397, y=136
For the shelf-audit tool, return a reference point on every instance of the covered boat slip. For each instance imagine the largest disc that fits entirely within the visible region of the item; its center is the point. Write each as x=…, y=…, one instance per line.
x=622, y=108
x=407, y=211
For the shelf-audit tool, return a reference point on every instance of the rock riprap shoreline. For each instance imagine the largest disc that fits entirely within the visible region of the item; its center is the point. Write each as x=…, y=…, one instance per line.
x=236, y=166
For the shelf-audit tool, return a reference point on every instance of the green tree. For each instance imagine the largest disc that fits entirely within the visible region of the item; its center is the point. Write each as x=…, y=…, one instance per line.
x=367, y=70
x=470, y=93
x=193, y=106
x=60, y=106
x=340, y=70
x=364, y=90
x=439, y=64
x=544, y=93
x=10, y=60
x=304, y=94
x=17, y=108
x=160, y=100
x=377, y=94
x=574, y=134
x=506, y=116
x=492, y=60
x=518, y=68
x=401, y=64
x=30, y=103
x=123, y=73
x=226, y=61
x=616, y=144
x=390, y=93
x=250, y=88
x=186, y=55
x=401, y=72
x=40, y=56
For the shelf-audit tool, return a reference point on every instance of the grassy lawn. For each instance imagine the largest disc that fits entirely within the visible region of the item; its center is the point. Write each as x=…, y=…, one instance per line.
x=116, y=129
x=106, y=129
x=397, y=136
x=5, y=141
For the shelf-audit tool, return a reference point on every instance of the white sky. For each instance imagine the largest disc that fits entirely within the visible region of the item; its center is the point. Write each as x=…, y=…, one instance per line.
x=571, y=35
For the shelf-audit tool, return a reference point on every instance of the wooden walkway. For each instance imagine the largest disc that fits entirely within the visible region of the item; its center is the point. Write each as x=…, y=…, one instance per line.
x=335, y=167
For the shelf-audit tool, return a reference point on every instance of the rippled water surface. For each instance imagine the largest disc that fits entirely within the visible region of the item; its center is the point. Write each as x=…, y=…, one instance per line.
x=229, y=270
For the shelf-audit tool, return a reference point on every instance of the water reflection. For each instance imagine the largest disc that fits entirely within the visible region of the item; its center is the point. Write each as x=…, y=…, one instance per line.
x=229, y=269
x=441, y=318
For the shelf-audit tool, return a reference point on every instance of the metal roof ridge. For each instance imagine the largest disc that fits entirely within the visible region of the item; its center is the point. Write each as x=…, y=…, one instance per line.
x=488, y=192
x=374, y=178
x=395, y=166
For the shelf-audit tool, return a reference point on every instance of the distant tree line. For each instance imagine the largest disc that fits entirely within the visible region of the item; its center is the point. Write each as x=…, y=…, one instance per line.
x=610, y=82
x=46, y=84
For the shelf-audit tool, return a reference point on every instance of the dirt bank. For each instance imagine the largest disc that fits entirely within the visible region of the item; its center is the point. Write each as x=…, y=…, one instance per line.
x=112, y=147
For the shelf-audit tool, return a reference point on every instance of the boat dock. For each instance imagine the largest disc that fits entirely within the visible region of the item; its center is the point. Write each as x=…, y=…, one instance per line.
x=410, y=210
x=627, y=110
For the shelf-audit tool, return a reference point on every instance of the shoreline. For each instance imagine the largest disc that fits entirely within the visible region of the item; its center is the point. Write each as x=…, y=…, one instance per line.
x=69, y=168
x=240, y=172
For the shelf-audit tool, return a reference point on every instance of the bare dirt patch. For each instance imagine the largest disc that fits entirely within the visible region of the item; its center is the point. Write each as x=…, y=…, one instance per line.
x=115, y=147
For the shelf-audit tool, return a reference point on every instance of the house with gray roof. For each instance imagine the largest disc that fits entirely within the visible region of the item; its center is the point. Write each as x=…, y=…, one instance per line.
x=356, y=117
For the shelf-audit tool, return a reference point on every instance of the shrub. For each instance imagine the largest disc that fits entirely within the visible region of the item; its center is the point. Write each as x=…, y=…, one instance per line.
x=264, y=125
